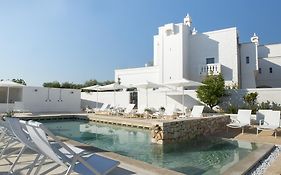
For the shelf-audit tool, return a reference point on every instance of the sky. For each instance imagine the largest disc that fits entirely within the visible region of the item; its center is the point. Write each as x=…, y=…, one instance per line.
x=74, y=41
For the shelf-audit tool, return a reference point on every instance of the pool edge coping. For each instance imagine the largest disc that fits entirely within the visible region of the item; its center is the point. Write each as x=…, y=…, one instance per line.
x=248, y=162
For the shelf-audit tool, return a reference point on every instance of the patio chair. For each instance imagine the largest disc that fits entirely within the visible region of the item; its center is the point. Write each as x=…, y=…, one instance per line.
x=140, y=110
x=197, y=111
x=261, y=114
x=85, y=165
x=243, y=119
x=103, y=107
x=271, y=122
x=128, y=110
x=89, y=110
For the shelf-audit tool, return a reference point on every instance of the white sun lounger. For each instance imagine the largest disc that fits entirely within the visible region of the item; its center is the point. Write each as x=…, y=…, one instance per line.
x=20, y=133
x=92, y=164
x=271, y=122
x=8, y=140
x=129, y=109
x=103, y=108
x=197, y=111
x=243, y=119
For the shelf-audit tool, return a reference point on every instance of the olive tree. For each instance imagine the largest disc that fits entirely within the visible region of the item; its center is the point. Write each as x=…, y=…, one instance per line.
x=212, y=91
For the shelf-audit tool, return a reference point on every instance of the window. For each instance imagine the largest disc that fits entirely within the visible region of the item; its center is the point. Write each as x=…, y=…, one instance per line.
x=270, y=70
x=247, y=60
x=210, y=60
x=259, y=70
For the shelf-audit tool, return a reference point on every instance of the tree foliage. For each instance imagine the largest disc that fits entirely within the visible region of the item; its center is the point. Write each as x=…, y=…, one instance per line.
x=20, y=81
x=212, y=91
x=54, y=84
x=251, y=98
x=68, y=85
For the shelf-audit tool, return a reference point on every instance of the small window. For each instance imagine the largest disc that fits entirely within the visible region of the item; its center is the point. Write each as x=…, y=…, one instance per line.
x=247, y=60
x=210, y=60
x=259, y=70
x=270, y=70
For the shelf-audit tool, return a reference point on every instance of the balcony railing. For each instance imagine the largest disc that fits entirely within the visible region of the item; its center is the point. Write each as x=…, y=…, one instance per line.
x=208, y=69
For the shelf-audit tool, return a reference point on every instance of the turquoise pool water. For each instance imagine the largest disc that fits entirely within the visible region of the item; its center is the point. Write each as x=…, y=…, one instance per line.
x=206, y=156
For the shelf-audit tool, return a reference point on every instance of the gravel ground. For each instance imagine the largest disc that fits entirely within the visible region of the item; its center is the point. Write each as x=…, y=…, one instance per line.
x=260, y=168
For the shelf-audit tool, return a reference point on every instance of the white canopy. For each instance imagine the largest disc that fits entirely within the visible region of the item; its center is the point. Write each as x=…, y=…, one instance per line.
x=10, y=84
x=184, y=83
x=113, y=86
x=95, y=88
x=148, y=85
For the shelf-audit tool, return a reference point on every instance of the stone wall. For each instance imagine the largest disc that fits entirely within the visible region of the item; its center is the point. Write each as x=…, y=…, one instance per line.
x=186, y=129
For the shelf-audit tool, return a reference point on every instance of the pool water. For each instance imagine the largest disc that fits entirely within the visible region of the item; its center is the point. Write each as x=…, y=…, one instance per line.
x=206, y=156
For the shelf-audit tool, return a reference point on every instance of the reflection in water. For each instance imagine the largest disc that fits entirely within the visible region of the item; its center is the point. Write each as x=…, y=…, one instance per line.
x=200, y=156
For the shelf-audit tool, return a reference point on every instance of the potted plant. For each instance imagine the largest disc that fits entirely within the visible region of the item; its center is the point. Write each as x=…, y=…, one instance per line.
x=9, y=114
x=162, y=110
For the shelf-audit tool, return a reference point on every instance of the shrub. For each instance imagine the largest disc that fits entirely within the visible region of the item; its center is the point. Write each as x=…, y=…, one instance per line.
x=251, y=98
x=232, y=109
x=212, y=91
x=265, y=105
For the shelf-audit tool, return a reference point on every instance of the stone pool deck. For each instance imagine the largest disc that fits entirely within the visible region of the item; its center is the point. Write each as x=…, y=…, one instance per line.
x=265, y=137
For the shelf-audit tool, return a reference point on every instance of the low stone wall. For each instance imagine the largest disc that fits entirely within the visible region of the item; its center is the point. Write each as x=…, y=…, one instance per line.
x=186, y=129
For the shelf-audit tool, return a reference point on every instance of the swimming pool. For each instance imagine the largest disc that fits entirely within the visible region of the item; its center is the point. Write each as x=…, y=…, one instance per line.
x=201, y=156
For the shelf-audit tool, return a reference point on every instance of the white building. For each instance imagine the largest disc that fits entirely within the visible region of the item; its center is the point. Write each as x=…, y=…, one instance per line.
x=38, y=99
x=181, y=52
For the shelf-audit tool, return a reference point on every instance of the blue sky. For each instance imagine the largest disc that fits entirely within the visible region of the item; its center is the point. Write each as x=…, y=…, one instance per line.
x=71, y=40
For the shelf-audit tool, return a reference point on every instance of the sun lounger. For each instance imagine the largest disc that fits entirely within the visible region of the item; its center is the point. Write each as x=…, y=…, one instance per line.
x=19, y=131
x=129, y=110
x=197, y=111
x=140, y=111
x=7, y=139
x=89, y=110
x=270, y=123
x=91, y=164
x=243, y=119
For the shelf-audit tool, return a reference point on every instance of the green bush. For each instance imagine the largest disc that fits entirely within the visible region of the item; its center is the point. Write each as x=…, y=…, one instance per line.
x=232, y=109
x=212, y=91
x=265, y=105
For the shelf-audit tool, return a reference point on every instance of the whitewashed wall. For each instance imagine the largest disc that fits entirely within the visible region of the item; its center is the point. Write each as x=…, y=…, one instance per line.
x=40, y=99
x=221, y=45
x=264, y=94
x=90, y=99
x=158, y=98
x=248, y=70
x=137, y=75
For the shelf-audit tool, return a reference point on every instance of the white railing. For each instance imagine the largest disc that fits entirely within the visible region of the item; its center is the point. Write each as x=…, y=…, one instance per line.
x=208, y=69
